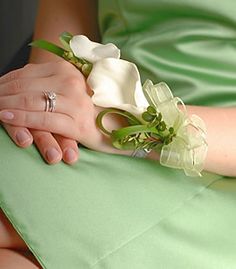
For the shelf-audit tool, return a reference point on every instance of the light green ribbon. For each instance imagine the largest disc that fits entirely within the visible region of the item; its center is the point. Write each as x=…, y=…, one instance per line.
x=188, y=148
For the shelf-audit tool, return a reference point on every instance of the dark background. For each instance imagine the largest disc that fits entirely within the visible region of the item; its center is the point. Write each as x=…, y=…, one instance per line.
x=16, y=28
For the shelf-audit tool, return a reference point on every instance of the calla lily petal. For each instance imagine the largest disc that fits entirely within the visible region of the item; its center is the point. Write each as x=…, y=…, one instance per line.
x=116, y=83
x=91, y=51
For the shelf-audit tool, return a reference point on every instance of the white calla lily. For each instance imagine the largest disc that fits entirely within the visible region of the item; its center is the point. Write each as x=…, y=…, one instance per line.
x=116, y=83
x=91, y=51
x=156, y=121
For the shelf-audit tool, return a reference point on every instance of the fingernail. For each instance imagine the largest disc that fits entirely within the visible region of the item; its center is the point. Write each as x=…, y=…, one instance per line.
x=6, y=115
x=70, y=155
x=22, y=137
x=52, y=154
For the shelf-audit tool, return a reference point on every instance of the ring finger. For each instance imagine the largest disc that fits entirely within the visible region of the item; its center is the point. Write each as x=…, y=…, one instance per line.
x=47, y=145
x=36, y=102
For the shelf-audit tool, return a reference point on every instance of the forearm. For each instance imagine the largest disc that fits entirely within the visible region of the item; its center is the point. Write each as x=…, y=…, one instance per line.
x=221, y=134
x=54, y=17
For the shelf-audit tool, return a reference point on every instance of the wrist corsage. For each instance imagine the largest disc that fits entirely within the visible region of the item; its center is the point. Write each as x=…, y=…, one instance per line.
x=156, y=119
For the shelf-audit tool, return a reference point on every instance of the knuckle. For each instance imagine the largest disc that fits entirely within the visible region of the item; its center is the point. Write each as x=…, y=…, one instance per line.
x=72, y=83
x=16, y=74
x=14, y=86
x=25, y=119
x=27, y=68
x=27, y=101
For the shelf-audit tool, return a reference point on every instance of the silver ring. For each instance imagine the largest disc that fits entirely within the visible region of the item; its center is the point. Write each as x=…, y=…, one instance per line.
x=50, y=101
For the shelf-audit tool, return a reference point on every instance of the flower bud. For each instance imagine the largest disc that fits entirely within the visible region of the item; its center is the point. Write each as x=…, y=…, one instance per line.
x=147, y=117
x=151, y=110
x=86, y=69
x=162, y=126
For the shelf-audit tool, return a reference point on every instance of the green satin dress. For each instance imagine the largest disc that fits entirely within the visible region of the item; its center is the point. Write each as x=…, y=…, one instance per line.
x=117, y=212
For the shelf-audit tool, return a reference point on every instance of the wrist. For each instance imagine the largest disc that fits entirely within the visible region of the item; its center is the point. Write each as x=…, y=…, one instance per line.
x=153, y=155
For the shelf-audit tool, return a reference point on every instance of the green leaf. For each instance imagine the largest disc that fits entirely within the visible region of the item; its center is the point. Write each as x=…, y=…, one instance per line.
x=120, y=135
x=43, y=44
x=124, y=146
x=131, y=130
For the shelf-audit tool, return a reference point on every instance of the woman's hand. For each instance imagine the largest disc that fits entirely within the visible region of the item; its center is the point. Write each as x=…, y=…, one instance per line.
x=22, y=106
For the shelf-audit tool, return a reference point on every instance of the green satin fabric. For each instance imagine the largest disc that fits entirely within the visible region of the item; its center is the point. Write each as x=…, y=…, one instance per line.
x=189, y=44
x=117, y=212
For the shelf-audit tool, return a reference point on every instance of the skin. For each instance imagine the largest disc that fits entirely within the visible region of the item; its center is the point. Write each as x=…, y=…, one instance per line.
x=56, y=134
x=75, y=114
x=67, y=15
x=77, y=17
x=13, y=250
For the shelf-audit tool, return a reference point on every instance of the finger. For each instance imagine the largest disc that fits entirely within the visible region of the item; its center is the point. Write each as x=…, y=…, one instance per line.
x=24, y=101
x=47, y=146
x=35, y=102
x=20, y=135
x=69, y=149
x=45, y=142
x=30, y=85
x=46, y=121
x=32, y=71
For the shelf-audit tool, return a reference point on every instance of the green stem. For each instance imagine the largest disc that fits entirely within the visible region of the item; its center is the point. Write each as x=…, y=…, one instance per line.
x=43, y=44
x=131, y=118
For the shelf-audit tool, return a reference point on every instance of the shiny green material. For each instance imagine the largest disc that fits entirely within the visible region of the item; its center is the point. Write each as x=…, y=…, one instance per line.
x=116, y=212
x=189, y=44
